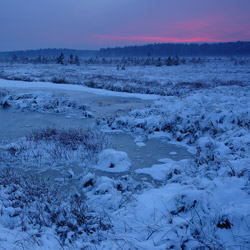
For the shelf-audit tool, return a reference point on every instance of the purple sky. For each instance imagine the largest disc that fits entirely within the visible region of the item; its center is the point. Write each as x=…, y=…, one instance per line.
x=91, y=24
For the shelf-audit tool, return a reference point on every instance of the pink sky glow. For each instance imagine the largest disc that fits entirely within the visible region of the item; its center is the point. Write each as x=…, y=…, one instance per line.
x=156, y=39
x=30, y=24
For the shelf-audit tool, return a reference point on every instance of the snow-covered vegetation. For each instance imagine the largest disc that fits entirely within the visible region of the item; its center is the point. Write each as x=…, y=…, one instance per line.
x=103, y=201
x=137, y=77
x=50, y=148
x=31, y=206
x=42, y=102
x=215, y=124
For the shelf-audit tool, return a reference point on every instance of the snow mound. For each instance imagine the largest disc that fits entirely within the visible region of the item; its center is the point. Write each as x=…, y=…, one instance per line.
x=173, y=153
x=111, y=160
x=169, y=170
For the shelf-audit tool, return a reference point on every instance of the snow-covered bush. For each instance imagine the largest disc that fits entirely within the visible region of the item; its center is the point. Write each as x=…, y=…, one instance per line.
x=221, y=114
x=52, y=146
x=31, y=204
x=111, y=160
x=43, y=102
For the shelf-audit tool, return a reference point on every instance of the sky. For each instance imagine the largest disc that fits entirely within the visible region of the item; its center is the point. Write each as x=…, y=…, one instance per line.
x=92, y=24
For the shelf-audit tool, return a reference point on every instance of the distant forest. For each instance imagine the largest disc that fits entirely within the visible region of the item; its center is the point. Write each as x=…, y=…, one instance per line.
x=50, y=53
x=179, y=49
x=150, y=50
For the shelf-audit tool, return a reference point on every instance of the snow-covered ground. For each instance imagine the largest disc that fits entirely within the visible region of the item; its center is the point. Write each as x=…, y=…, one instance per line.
x=199, y=201
x=163, y=80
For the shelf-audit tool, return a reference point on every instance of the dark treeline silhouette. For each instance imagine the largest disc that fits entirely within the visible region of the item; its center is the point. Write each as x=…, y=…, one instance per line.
x=47, y=53
x=146, y=51
x=180, y=49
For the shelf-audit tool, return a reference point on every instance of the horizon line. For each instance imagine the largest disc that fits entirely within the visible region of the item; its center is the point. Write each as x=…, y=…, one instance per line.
x=123, y=46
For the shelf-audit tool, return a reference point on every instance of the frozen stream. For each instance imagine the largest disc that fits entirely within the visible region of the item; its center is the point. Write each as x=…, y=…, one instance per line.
x=14, y=124
x=17, y=124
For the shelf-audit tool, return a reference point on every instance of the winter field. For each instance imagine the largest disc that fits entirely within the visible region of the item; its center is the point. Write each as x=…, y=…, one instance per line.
x=125, y=156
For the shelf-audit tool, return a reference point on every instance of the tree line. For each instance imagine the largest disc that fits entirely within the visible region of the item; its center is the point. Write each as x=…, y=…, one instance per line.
x=149, y=50
x=180, y=49
x=61, y=59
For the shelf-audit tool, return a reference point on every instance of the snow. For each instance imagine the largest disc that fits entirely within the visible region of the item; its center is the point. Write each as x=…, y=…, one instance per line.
x=168, y=212
x=111, y=160
x=43, y=103
x=173, y=153
x=140, y=144
x=50, y=86
x=208, y=71
x=198, y=202
x=161, y=172
x=139, y=141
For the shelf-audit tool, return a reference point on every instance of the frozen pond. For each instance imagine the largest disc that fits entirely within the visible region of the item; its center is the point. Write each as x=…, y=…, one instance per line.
x=17, y=124
x=148, y=155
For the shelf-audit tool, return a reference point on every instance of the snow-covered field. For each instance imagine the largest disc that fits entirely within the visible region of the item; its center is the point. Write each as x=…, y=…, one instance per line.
x=103, y=196
x=206, y=72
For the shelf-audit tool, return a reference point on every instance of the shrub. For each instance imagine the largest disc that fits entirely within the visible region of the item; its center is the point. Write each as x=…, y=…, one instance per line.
x=32, y=203
x=50, y=146
x=71, y=138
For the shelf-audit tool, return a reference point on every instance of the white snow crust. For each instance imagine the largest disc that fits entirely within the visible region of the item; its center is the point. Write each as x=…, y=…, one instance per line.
x=111, y=160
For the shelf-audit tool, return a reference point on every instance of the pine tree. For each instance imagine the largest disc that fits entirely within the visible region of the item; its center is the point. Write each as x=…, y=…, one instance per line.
x=77, y=61
x=14, y=58
x=158, y=62
x=60, y=59
x=71, y=59
x=176, y=61
x=169, y=61
x=38, y=59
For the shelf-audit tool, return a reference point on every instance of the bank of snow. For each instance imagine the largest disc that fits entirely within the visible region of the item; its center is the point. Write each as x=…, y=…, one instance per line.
x=10, y=84
x=114, y=161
